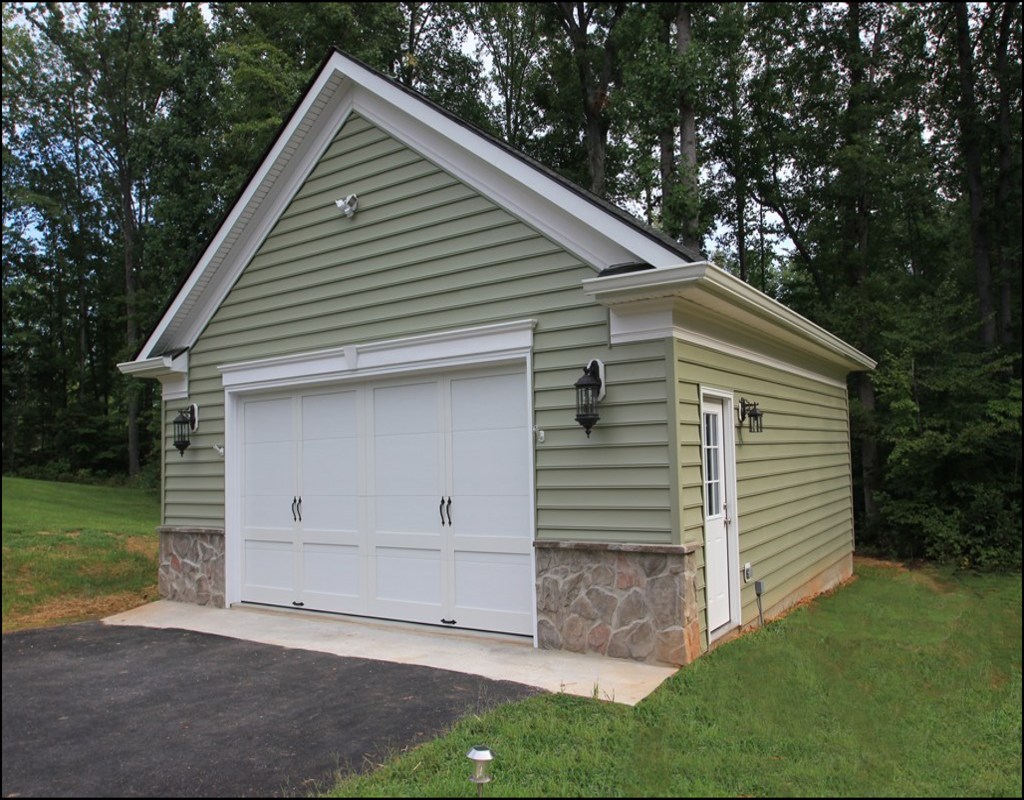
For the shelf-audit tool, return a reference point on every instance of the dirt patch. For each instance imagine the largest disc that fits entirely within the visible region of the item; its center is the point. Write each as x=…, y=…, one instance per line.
x=868, y=561
x=77, y=609
x=143, y=545
x=918, y=571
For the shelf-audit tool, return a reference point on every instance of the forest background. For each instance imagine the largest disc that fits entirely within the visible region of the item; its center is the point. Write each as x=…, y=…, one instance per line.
x=859, y=162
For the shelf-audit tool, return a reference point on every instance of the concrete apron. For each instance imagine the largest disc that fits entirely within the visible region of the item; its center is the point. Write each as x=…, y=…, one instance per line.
x=505, y=658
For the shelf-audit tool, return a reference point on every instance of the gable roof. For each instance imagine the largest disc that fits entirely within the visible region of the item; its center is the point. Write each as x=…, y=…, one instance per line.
x=594, y=230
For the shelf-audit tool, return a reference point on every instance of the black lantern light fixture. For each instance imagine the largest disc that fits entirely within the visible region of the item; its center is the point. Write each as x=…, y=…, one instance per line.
x=750, y=413
x=184, y=425
x=589, y=392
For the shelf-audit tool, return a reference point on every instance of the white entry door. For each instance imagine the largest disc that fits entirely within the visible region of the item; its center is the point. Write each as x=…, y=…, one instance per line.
x=406, y=499
x=717, y=463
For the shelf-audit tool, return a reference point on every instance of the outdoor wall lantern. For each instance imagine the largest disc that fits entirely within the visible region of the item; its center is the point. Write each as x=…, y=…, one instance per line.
x=589, y=392
x=348, y=205
x=750, y=413
x=481, y=758
x=184, y=425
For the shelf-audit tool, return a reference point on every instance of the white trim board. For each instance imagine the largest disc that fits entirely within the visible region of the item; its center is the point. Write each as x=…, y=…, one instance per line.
x=485, y=344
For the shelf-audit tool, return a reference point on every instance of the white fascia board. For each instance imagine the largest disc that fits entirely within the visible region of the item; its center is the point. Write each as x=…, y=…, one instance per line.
x=704, y=280
x=171, y=371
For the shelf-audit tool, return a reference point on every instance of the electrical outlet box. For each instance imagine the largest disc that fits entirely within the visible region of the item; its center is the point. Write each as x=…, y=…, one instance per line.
x=748, y=571
x=759, y=588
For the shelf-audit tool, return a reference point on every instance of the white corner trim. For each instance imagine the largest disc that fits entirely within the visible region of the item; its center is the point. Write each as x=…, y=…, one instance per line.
x=465, y=346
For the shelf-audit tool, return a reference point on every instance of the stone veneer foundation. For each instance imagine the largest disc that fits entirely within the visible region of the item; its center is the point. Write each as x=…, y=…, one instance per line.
x=624, y=601
x=192, y=565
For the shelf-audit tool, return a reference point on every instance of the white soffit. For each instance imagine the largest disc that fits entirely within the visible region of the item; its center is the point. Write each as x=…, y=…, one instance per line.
x=648, y=297
x=595, y=235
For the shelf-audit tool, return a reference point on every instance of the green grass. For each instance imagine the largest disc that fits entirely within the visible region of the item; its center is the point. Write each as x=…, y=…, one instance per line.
x=73, y=552
x=903, y=683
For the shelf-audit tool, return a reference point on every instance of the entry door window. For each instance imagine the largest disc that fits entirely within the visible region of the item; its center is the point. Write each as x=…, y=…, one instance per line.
x=713, y=463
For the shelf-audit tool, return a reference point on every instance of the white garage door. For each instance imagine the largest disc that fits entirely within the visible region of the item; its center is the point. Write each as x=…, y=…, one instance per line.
x=407, y=499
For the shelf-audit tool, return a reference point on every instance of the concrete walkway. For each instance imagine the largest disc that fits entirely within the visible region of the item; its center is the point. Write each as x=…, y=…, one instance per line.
x=505, y=658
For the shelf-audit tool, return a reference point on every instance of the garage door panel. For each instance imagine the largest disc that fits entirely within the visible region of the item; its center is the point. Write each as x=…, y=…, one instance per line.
x=269, y=468
x=410, y=515
x=332, y=570
x=330, y=512
x=488, y=402
x=330, y=416
x=490, y=462
x=267, y=512
x=492, y=581
x=268, y=576
x=330, y=466
x=268, y=420
x=492, y=544
x=407, y=465
x=408, y=575
x=494, y=592
x=406, y=409
x=495, y=516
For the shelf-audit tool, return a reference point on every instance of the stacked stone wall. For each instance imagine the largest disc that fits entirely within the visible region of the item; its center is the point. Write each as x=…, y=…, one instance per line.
x=624, y=601
x=192, y=565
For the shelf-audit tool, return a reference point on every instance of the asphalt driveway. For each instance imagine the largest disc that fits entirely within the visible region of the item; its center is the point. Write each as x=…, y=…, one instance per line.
x=92, y=710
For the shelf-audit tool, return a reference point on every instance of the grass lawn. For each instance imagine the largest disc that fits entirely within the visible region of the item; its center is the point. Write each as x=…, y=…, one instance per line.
x=903, y=683
x=73, y=552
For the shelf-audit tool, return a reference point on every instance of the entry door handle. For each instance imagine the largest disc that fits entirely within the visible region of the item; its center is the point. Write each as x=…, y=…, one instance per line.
x=448, y=508
x=440, y=510
x=300, y=509
x=295, y=502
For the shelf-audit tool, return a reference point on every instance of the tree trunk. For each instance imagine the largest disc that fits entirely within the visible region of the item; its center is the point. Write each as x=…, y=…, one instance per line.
x=594, y=87
x=971, y=147
x=1003, y=238
x=688, y=139
x=128, y=225
x=740, y=193
x=856, y=227
x=869, y=467
x=667, y=140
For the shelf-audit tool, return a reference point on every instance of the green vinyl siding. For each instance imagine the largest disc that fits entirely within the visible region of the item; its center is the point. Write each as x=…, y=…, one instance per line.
x=425, y=253
x=794, y=492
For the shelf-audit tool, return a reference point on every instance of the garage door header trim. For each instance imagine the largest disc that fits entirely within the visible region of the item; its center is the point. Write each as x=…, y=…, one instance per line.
x=446, y=349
